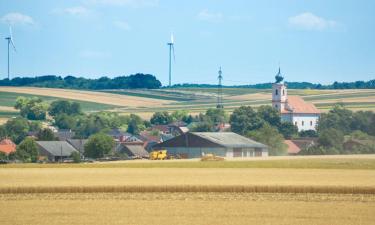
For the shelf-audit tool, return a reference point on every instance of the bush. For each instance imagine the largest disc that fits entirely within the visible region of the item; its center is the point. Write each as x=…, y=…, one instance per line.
x=27, y=150
x=76, y=157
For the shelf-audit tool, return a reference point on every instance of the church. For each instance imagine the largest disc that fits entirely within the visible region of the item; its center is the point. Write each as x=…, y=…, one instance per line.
x=293, y=108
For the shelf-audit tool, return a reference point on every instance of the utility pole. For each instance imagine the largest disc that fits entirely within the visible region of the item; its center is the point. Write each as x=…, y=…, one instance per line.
x=220, y=91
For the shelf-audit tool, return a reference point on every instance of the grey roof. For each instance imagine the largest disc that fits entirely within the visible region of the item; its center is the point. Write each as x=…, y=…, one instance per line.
x=78, y=144
x=57, y=148
x=137, y=150
x=230, y=140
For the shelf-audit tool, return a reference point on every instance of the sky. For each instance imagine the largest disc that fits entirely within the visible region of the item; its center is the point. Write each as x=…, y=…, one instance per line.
x=319, y=41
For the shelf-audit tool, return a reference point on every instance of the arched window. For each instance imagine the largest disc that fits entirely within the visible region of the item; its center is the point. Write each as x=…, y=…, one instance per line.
x=311, y=123
x=277, y=92
x=295, y=123
x=303, y=123
x=283, y=92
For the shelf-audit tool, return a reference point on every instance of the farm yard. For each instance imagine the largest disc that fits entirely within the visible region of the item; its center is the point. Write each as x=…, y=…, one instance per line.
x=302, y=190
x=195, y=100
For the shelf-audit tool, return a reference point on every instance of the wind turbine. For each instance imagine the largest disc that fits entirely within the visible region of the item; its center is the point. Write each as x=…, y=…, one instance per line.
x=10, y=42
x=171, y=51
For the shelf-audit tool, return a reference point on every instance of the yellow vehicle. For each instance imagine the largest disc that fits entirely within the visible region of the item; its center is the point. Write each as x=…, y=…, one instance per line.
x=158, y=155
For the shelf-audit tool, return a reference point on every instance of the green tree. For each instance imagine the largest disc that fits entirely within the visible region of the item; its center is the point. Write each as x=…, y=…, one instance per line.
x=46, y=135
x=64, y=106
x=338, y=118
x=27, y=150
x=98, y=146
x=161, y=118
x=32, y=108
x=331, y=138
x=64, y=121
x=17, y=129
x=217, y=115
x=245, y=119
x=269, y=136
x=270, y=115
x=76, y=157
x=288, y=129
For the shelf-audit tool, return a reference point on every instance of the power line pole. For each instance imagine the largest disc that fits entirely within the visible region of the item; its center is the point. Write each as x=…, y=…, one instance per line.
x=220, y=91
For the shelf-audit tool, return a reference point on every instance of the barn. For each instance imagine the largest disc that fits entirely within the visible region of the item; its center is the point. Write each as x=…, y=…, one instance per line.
x=225, y=144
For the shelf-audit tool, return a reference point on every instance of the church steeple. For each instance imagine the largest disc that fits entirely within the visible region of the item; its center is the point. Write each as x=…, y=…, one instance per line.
x=279, y=92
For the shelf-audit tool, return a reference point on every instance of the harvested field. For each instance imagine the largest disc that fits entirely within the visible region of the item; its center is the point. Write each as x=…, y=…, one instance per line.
x=187, y=208
x=90, y=96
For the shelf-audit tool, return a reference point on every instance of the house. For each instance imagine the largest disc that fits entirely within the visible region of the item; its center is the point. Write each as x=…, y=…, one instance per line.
x=149, y=139
x=55, y=150
x=7, y=146
x=133, y=150
x=225, y=144
x=119, y=135
x=293, y=108
x=293, y=149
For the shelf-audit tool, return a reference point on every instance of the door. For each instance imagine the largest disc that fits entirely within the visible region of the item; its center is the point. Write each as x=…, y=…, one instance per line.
x=237, y=152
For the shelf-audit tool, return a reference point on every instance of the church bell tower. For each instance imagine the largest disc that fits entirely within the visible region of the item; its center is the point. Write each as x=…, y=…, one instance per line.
x=279, y=93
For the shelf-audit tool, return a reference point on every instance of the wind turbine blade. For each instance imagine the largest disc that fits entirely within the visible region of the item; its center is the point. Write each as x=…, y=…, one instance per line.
x=11, y=38
x=174, y=56
x=172, y=39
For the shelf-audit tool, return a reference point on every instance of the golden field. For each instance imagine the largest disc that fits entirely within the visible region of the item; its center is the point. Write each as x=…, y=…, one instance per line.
x=333, y=190
x=187, y=209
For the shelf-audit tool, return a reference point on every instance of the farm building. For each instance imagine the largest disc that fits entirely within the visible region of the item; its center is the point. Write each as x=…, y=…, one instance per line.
x=225, y=144
x=133, y=150
x=55, y=150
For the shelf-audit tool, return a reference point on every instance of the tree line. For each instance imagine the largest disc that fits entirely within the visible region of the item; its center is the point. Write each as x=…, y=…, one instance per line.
x=292, y=85
x=138, y=80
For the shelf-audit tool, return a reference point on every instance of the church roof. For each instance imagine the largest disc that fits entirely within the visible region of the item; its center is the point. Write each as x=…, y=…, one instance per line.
x=295, y=104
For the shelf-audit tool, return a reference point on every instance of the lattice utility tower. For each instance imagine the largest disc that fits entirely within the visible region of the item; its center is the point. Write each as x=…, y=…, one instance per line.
x=220, y=91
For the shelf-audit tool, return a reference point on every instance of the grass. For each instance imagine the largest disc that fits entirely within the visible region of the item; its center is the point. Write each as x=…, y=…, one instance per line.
x=186, y=209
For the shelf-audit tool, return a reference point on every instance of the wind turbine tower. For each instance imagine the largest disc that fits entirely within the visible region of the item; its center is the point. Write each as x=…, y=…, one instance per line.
x=220, y=91
x=10, y=42
x=171, y=51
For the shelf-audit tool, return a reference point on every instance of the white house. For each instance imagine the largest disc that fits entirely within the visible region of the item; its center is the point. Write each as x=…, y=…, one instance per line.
x=293, y=108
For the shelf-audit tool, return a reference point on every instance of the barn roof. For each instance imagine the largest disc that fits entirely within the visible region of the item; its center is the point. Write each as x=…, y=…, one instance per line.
x=210, y=139
x=292, y=147
x=57, y=148
x=296, y=104
x=229, y=139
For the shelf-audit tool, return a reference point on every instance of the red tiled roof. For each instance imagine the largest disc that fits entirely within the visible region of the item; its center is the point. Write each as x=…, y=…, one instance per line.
x=7, y=146
x=292, y=148
x=295, y=104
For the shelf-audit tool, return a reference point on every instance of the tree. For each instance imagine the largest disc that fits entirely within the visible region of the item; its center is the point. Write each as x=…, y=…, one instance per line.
x=136, y=124
x=203, y=127
x=331, y=138
x=31, y=108
x=270, y=115
x=64, y=121
x=308, y=133
x=76, y=157
x=269, y=136
x=46, y=135
x=161, y=118
x=288, y=129
x=338, y=118
x=179, y=115
x=64, y=106
x=245, y=119
x=17, y=129
x=98, y=146
x=27, y=150
x=217, y=115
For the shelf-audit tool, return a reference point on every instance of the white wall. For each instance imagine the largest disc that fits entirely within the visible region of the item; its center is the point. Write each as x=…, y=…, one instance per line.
x=305, y=121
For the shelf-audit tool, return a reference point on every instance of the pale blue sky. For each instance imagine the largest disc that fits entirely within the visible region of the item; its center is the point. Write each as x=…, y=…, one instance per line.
x=316, y=41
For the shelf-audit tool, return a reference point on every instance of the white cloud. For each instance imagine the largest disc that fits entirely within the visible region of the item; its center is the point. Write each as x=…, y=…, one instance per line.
x=91, y=54
x=74, y=11
x=131, y=3
x=122, y=25
x=309, y=21
x=206, y=15
x=15, y=18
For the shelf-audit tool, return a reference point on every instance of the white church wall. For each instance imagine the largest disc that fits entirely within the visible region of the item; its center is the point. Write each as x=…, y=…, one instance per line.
x=305, y=121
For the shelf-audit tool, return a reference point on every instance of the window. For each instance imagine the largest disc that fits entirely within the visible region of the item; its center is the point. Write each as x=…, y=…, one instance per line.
x=277, y=92
x=283, y=92
x=311, y=123
x=276, y=106
x=303, y=123
x=295, y=123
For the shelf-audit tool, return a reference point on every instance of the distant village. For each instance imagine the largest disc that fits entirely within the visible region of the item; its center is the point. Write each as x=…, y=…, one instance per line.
x=290, y=126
